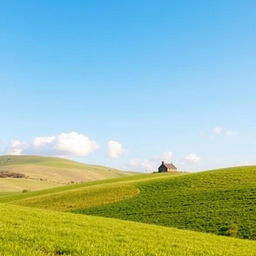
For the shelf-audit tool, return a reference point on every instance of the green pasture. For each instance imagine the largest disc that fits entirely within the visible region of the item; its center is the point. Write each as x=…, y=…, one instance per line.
x=209, y=201
x=36, y=232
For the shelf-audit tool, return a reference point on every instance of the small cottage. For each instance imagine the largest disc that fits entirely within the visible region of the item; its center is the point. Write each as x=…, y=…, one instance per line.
x=167, y=167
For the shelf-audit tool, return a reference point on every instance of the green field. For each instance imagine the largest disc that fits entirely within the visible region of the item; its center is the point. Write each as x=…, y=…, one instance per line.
x=34, y=232
x=219, y=201
x=46, y=172
x=208, y=201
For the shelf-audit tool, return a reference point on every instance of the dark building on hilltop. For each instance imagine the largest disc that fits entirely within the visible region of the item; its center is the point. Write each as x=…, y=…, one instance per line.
x=165, y=167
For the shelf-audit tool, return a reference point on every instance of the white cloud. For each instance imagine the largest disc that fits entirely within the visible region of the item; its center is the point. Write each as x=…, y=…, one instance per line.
x=148, y=165
x=16, y=147
x=151, y=164
x=42, y=141
x=115, y=149
x=64, y=144
x=74, y=144
x=218, y=130
x=193, y=158
x=143, y=164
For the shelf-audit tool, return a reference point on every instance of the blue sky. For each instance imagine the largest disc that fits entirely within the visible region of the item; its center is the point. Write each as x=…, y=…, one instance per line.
x=130, y=83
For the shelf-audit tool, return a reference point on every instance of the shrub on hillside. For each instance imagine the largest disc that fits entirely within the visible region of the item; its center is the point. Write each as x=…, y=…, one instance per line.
x=5, y=174
x=230, y=230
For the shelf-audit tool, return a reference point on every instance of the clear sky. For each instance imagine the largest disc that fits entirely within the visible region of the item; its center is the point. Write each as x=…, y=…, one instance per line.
x=129, y=83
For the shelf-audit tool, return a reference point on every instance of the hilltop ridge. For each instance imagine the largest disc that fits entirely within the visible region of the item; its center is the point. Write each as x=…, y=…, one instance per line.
x=43, y=172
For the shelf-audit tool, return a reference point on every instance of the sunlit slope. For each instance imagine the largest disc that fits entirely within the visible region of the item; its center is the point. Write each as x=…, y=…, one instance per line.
x=210, y=201
x=36, y=232
x=214, y=201
x=84, y=195
x=54, y=171
x=19, y=185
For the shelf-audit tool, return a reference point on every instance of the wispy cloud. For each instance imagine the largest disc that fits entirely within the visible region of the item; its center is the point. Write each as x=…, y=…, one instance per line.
x=192, y=158
x=150, y=164
x=223, y=131
x=217, y=130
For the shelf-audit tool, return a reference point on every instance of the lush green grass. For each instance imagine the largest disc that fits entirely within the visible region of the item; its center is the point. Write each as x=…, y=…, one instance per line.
x=44, y=172
x=209, y=202
x=85, y=197
x=71, y=189
x=204, y=201
x=35, y=232
x=7, y=194
x=47, y=194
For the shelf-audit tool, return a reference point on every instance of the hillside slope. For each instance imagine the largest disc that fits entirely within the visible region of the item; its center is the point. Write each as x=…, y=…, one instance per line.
x=50, y=171
x=35, y=232
x=220, y=201
x=19, y=185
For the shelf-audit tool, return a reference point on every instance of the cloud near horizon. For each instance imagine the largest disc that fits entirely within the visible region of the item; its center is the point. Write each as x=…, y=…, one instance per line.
x=16, y=147
x=192, y=158
x=64, y=144
x=222, y=131
x=151, y=163
x=115, y=149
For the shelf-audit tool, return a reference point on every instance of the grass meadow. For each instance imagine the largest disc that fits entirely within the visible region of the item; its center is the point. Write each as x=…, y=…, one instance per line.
x=214, y=201
x=36, y=232
x=220, y=202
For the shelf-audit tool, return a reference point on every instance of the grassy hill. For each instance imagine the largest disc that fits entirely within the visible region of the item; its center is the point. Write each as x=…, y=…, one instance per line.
x=220, y=201
x=217, y=201
x=36, y=232
x=18, y=185
x=45, y=172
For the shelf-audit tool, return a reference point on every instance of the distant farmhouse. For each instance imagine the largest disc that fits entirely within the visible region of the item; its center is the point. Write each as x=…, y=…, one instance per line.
x=167, y=167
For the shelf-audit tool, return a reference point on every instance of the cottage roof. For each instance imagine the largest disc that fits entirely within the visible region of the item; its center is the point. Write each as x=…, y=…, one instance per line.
x=169, y=166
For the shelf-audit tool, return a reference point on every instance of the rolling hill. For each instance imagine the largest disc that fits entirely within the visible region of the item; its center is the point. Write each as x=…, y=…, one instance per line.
x=219, y=201
x=45, y=172
x=36, y=232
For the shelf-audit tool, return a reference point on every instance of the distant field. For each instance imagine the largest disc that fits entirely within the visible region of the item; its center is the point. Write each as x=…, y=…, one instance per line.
x=18, y=185
x=45, y=172
x=46, y=195
x=209, y=201
x=35, y=232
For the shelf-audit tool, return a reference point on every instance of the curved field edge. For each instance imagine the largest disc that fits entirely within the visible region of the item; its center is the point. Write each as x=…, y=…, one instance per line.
x=134, y=179
x=220, y=202
x=37, y=232
x=82, y=198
